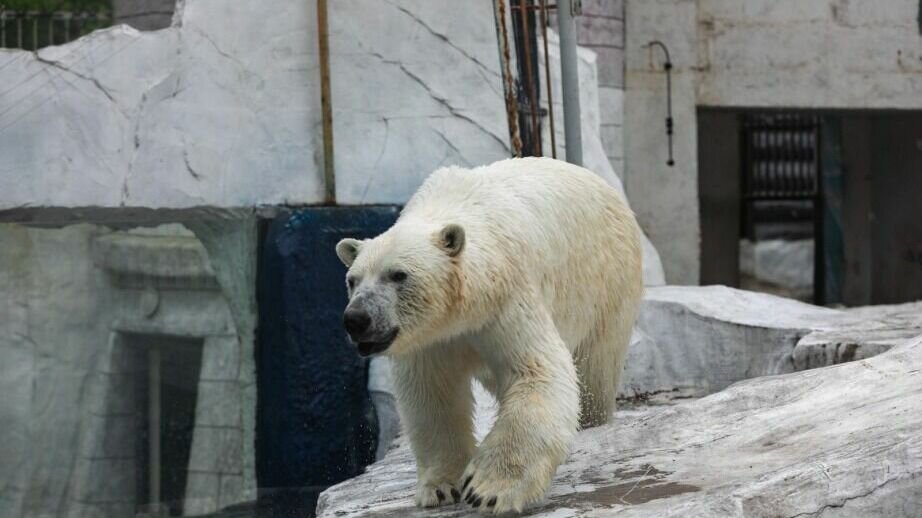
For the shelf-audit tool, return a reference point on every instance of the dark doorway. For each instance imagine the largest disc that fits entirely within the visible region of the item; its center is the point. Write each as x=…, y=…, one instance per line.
x=781, y=218
x=167, y=423
x=789, y=196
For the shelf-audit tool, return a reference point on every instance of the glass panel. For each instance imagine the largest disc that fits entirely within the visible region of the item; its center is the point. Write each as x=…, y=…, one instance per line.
x=126, y=369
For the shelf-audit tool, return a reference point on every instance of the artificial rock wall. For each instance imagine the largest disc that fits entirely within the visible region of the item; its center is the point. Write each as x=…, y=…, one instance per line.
x=222, y=108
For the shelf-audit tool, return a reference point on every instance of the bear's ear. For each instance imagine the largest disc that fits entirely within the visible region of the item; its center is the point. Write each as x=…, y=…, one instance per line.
x=347, y=250
x=451, y=239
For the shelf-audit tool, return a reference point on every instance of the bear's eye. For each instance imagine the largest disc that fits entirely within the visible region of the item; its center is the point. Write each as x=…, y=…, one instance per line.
x=351, y=282
x=398, y=276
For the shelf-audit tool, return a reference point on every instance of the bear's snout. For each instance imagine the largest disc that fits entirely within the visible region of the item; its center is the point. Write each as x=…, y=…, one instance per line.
x=356, y=321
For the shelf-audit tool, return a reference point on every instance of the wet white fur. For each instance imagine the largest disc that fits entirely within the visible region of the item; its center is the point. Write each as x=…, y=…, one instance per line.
x=538, y=305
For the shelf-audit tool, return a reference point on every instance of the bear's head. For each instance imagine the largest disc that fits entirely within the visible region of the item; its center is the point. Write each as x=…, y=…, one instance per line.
x=403, y=286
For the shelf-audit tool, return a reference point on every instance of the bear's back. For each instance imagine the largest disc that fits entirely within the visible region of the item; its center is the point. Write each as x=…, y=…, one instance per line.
x=511, y=188
x=552, y=225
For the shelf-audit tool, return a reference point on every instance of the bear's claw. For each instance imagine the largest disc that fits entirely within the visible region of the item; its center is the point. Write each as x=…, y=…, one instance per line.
x=435, y=495
x=490, y=489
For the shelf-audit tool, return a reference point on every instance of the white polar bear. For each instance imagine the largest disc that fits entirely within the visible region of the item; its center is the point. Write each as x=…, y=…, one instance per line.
x=525, y=274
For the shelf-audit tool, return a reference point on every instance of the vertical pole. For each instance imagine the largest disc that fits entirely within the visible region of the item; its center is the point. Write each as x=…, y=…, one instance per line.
x=326, y=102
x=547, y=79
x=525, y=16
x=819, y=208
x=569, y=75
x=512, y=111
x=153, y=425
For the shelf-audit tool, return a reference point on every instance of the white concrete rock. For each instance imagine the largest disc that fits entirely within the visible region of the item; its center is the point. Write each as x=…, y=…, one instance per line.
x=47, y=350
x=223, y=108
x=698, y=340
x=838, y=441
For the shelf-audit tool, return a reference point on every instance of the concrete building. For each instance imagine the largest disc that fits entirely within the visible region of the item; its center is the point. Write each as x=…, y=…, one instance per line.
x=859, y=59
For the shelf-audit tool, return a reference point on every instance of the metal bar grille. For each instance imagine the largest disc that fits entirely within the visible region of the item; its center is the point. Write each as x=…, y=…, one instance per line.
x=781, y=156
x=32, y=30
x=522, y=74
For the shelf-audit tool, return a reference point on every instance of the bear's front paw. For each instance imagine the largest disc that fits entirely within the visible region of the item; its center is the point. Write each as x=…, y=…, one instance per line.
x=434, y=494
x=493, y=484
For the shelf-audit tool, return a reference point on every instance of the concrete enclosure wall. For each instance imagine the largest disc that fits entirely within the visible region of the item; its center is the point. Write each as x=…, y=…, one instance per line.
x=601, y=29
x=759, y=53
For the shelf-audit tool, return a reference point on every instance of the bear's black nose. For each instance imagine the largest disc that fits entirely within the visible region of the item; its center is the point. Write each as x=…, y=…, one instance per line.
x=356, y=322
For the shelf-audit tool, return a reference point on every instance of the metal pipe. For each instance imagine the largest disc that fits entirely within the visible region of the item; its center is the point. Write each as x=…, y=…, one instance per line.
x=547, y=78
x=326, y=103
x=569, y=79
x=153, y=425
x=667, y=66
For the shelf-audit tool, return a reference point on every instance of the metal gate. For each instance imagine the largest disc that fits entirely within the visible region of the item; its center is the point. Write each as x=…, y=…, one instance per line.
x=781, y=179
x=32, y=30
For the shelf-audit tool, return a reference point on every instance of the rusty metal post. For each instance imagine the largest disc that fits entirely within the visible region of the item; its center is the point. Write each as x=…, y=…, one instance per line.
x=533, y=107
x=512, y=111
x=326, y=103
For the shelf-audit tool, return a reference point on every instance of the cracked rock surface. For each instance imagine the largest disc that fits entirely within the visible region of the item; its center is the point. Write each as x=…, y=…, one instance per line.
x=221, y=110
x=223, y=107
x=692, y=341
x=844, y=440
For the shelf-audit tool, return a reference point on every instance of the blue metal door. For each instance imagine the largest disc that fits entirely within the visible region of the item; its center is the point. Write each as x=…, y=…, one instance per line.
x=315, y=421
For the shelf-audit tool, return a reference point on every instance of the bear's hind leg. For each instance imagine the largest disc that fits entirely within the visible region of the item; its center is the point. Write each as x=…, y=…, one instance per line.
x=599, y=364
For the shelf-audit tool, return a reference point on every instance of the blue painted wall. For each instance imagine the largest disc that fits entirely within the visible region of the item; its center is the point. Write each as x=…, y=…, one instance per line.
x=315, y=421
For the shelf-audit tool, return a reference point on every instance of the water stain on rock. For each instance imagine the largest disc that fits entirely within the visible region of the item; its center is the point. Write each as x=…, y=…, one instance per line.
x=635, y=486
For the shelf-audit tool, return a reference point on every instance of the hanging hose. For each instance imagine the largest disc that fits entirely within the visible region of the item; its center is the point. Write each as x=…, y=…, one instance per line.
x=667, y=66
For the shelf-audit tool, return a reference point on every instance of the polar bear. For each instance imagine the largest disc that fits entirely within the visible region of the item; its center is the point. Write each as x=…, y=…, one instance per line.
x=524, y=274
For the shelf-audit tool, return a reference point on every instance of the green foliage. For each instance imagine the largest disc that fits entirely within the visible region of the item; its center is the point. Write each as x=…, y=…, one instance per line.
x=47, y=6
